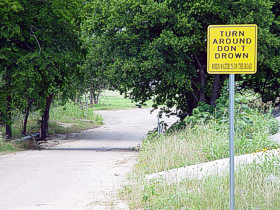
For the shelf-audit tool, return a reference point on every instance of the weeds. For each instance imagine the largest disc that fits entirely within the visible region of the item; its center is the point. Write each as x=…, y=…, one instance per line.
x=199, y=143
x=7, y=147
x=256, y=187
x=200, y=138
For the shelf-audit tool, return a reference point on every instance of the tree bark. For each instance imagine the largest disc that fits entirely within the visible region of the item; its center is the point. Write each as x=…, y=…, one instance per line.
x=45, y=118
x=9, y=117
x=96, y=99
x=77, y=99
x=218, y=81
x=8, y=132
x=202, y=78
x=215, y=90
x=90, y=98
x=26, y=116
x=8, y=123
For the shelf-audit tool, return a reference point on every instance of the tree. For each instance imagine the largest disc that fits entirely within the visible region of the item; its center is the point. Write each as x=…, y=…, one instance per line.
x=9, y=53
x=267, y=80
x=58, y=54
x=94, y=81
x=41, y=58
x=157, y=49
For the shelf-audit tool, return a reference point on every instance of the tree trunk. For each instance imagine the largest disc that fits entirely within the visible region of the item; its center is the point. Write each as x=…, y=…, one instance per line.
x=8, y=127
x=202, y=77
x=218, y=81
x=79, y=101
x=91, y=98
x=8, y=122
x=26, y=116
x=8, y=132
x=45, y=118
x=96, y=99
x=78, y=98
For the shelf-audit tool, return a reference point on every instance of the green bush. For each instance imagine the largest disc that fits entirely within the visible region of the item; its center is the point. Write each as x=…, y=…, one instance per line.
x=247, y=110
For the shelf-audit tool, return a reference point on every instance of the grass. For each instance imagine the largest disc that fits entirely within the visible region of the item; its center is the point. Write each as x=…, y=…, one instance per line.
x=113, y=100
x=8, y=147
x=256, y=187
x=72, y=118
x=64, y=119
x=203, y=141
x=200, y=143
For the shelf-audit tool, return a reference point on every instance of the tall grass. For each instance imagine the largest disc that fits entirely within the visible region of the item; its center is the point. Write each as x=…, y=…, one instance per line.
x=72, y=117
x=198, y=144
x=203, y=139
x=256, y=187
x=71, y=112
x=202, y=142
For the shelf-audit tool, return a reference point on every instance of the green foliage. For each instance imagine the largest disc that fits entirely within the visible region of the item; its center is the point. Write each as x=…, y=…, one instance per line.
x=113, y=100
x=248, y=111
x=266, y=81
x=157, y=49
x=7, y=147
x=40, y=54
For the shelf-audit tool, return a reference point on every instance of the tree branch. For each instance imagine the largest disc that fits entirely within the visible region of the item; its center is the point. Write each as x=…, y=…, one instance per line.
x=33, y=35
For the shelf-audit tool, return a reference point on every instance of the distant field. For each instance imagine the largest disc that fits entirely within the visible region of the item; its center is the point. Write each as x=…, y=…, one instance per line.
x=113, y=100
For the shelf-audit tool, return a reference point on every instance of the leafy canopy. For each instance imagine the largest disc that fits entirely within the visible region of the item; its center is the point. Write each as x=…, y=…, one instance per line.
x=157, y=49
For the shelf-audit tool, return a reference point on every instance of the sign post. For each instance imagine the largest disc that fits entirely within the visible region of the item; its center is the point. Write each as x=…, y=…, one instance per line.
x=232, y=49
x=231, y=139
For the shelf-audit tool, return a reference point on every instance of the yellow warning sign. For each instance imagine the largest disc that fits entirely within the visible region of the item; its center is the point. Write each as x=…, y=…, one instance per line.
x=232, y=49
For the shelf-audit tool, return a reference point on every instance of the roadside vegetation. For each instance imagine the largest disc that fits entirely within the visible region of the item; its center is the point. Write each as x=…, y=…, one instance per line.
x=256, y=187
x=7, y=147
x=203, y=137
x=67, y=118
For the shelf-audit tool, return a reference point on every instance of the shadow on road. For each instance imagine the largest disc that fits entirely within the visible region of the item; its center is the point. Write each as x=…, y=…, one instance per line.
x=99, y=149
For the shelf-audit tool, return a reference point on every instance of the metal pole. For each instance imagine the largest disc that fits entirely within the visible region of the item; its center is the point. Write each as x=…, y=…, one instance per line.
x=231, y=139
x=86, y=105
x=158, y=125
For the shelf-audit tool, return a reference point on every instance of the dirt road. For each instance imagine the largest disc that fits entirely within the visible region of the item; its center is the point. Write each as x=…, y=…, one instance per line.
x=83, y=173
